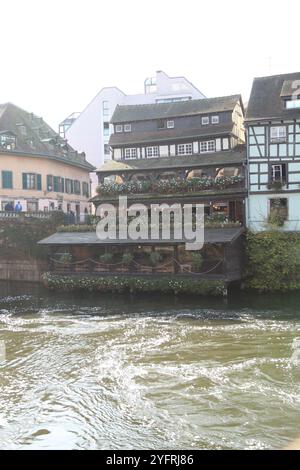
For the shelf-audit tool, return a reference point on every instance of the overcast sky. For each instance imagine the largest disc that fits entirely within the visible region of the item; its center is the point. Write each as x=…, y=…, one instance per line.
x=57, y=54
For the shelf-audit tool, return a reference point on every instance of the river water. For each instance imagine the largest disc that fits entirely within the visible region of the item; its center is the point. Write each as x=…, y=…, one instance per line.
x=113, y=372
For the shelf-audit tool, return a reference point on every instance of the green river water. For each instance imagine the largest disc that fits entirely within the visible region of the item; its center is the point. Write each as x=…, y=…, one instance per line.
x=117, y=372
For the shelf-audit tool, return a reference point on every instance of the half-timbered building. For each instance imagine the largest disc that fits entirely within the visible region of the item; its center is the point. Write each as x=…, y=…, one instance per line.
x=273, y=149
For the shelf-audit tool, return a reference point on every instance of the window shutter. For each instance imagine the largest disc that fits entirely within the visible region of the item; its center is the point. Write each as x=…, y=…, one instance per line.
x=39, y=182
x=55, y=179
x=63, y=185
x=72, y=187
x=7, y=180
x=24, y=176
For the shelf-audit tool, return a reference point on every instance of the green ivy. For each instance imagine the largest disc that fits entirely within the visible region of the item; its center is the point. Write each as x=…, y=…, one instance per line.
x=273, y=261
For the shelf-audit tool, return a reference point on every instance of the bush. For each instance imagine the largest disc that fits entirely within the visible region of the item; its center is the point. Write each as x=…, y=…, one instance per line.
x=273, y=261
x=177, y=286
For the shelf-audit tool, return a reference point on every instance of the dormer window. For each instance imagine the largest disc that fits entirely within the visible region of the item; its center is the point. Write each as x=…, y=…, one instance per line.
x=205, y=120
x=127, y=128
x=170, y=124
x=215, y=119
x=119, y=128
x=292, y=104
x=278, y=134
x=8, y=140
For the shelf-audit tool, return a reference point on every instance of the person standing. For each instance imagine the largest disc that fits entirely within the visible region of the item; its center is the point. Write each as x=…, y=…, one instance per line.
x=18, y=207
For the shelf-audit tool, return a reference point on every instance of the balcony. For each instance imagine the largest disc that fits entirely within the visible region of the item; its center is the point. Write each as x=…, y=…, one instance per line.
x=171, y=186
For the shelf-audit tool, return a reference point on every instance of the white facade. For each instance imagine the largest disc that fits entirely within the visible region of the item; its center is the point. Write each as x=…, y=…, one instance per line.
x=91, y=130
x=274, y=158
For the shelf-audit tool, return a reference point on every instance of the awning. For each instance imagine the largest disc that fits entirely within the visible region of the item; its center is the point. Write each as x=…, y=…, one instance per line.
x=220, y=235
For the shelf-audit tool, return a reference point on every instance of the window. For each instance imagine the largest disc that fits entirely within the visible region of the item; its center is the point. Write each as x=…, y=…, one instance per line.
x=7, y=180
x=23, y=130
x=184, y=149
x=69, y=186
x=106, y=149
x=170, y=124
x=32, y=181
x=207, y=146
x=152, y=152
x=205, y=120
x=105, y=108
x=58, y=184
x=49, y=183
x=279, y=208
x=127, y=128
x=85, y=189
x=279, y=173
x=292, y=104
x=119, y=128
x=160, y=124
x=278, y=134
x=77, y=187
x=215, y=119
x=8, y=141
x=32, y=206
x=106, y=128
x=130, y=153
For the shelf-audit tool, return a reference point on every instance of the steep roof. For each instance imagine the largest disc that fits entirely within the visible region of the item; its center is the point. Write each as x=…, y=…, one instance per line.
x=170, y=134
x=266, y=99
x=36, y=138
x=143, y=112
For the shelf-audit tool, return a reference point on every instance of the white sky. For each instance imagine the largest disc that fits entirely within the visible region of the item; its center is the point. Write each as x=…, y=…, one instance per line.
x=57, y=54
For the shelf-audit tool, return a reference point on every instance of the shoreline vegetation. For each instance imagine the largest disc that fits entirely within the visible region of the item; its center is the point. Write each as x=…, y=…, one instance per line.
x=116, y=284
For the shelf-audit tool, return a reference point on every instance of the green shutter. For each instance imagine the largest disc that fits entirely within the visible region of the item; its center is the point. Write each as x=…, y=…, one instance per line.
x=7, y=180
x=55, y=184
x=39, y=182
x=24, y=175
x=72, y=187
x=63, y=185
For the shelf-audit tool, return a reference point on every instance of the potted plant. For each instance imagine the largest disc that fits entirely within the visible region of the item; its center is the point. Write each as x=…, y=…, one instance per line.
x=276, y=185
x=155, y=258
x=106, y=258
x=197, y=261
x=127, y=259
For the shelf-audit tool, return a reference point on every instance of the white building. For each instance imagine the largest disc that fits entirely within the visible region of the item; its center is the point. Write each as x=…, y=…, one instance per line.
x=90, y=130
x=273, y=150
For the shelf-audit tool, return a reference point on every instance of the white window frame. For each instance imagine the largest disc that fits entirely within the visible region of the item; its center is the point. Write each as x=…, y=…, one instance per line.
x=215, y=119
x=127, y=127
x=205, y=120
x=292, y=104
x=130, y=153
x=184, y=149
x=170, y=124
x=152, y=152
x=277, y=168
x=207, y=146
x=119, y=128
x=278, y=134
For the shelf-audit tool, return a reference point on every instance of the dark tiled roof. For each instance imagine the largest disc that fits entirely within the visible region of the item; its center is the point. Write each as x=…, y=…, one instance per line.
x=225, y=235
x=131, y=138
x=231, y=157
x=143, y=112
x=39, y=139
x=266, y=97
